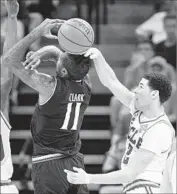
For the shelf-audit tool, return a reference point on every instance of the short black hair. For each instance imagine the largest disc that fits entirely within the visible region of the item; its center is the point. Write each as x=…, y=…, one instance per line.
x=77, y=65
x=161, y=83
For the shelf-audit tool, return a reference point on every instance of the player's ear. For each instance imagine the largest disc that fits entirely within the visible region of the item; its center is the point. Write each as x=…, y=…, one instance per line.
x=155, y=94
x=64, y=72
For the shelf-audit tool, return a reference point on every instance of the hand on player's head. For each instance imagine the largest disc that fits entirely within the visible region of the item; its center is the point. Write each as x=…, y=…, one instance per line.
x=32, y=60
x=46, y=26
x=92, y=53
x=77, y=177
x=12, y=7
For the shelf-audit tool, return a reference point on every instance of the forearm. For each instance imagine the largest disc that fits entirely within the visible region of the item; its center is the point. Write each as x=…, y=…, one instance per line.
x=6, y=73
x=10, y=40
x=109, y=79
x=116, y=177
x=51, y=52
x=104, y=71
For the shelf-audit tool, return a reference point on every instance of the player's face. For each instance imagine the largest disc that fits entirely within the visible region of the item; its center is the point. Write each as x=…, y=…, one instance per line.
x=143, y=95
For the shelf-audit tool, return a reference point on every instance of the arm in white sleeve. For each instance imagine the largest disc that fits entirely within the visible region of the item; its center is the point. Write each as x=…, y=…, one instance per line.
x=108, y=78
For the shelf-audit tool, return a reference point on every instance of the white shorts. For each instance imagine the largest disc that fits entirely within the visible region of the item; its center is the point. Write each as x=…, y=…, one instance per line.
x=142, y=186
x=9, y=188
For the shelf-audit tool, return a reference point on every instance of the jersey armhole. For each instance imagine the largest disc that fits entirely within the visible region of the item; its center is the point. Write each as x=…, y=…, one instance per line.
x=88, y=82
x=41, y=104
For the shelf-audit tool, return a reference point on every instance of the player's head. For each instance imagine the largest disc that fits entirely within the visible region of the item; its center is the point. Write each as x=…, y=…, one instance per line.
x=146, y=48
x=153, y=88
x=170, y=25
x=73, y=67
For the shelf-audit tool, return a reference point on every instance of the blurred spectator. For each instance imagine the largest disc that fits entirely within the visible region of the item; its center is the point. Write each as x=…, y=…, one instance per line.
x=38, y=10
x=154, y=25
x=138, y=63
x=30, y=19
x=46, y=8
x=20, y=35
x=20, y=25
x=113, y=162
x=24, y=171
x=90, y=8
x=23, y=15
x=167, y=48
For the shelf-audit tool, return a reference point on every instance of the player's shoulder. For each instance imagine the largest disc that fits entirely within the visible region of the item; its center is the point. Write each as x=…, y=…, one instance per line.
x=160, y=126
x=163, y=122
x=163, y=126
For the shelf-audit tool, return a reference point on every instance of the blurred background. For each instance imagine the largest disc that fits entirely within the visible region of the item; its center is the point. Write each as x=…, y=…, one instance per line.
x=135, y=36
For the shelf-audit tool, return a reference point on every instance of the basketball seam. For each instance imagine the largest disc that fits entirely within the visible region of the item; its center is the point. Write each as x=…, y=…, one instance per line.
x=81, y=32
x=73, y=41
x=69, y=51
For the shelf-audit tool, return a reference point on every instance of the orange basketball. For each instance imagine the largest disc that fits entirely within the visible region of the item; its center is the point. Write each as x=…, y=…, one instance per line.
x=76, y=36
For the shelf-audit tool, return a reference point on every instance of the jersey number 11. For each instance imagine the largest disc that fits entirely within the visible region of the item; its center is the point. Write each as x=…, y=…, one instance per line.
x=68, y=116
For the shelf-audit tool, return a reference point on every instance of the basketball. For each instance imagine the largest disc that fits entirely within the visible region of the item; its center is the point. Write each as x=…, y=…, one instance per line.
x=76, y=36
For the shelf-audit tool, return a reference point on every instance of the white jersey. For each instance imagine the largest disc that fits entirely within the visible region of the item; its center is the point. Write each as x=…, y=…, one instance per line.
x=155, y=135
x=169, y=175
x=6, y=160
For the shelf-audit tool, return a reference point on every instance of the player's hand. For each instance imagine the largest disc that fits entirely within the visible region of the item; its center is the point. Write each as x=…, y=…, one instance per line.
x=93, y=53
x=77, y=177
x=46, y=26
x=12, y=7
x=32, y=60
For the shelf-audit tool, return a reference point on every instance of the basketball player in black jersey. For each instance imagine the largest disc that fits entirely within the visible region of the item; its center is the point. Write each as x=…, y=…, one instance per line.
x=58, y=114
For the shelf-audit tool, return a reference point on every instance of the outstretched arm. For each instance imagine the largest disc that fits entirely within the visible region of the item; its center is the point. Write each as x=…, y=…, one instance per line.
x=108, y=77
x=42, y=83
x=47, y=53
x=10, y=40
x=124, y=176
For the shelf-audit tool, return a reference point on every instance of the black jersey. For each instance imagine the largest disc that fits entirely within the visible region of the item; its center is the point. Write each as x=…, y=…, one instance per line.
x=55, y=125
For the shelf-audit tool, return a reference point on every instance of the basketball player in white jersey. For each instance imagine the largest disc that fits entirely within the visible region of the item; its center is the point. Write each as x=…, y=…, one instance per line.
x=150, y=135
x=168, y=184
x=6, y=186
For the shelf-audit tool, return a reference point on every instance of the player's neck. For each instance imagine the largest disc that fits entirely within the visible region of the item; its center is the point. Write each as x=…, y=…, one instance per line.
x=153, y=112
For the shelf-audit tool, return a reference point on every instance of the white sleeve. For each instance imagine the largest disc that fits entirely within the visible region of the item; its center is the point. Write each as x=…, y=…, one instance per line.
x=158, y=138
